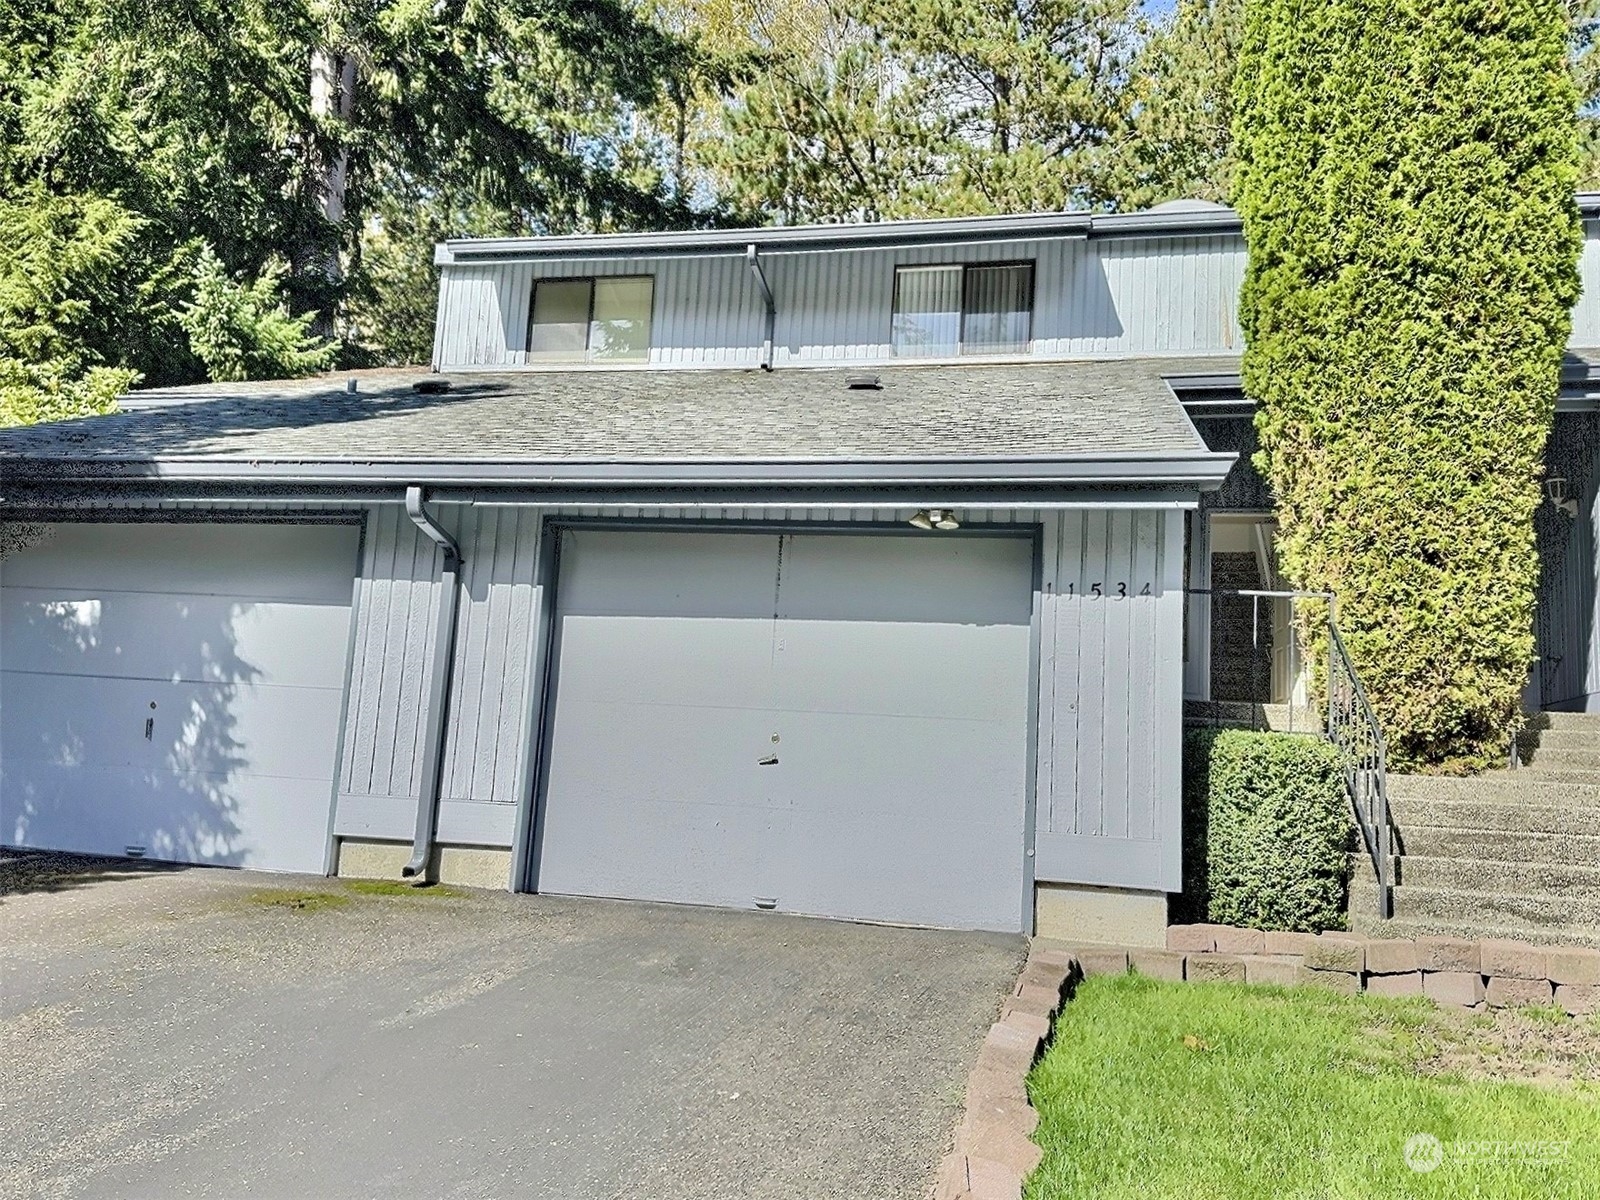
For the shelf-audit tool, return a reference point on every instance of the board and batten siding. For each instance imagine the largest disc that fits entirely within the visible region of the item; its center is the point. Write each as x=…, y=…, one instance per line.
x=1112, y=296
x=1110, y=717
x=1108, y=807
x=380, y=774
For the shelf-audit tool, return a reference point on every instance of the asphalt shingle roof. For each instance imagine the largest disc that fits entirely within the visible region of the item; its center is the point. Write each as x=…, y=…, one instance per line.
x=1081, y=409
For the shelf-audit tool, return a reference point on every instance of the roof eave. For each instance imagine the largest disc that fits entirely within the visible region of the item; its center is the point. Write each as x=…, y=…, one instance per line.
x=1200, y=469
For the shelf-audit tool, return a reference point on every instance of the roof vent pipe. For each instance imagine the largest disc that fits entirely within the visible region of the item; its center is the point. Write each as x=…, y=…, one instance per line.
x=752, y=257
x=444, y=645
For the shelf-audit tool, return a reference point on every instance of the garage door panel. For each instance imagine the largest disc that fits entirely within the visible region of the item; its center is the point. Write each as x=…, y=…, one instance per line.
x=281, y=732
x=311, y=563
x=682, y=850
x=641, y=660
x=906, y=670
x=905, y=578
x=238, y=637
x=702, y=576
x=137, y=635
x=218, y=820
x=851, y=864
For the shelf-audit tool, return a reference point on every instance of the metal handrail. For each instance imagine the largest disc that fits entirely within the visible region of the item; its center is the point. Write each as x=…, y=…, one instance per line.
x=1353, y=727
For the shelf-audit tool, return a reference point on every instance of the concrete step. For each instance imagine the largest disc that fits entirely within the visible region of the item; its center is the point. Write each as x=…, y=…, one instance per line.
x=1526, y=786
x=1561, y=758
x=1409, y=814
x=1562, y=720
x=1573, y=881
x=1502, y=846
x=1460, y=906
x=1558, y=774
x=1365, y=921
x=1559, y=739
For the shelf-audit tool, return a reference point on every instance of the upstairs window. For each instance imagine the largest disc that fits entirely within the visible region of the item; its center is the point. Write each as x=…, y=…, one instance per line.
x=983, y=308
x=603, y=319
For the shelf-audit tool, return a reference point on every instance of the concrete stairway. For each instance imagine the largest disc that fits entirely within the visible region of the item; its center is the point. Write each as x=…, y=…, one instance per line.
x=1510, y=853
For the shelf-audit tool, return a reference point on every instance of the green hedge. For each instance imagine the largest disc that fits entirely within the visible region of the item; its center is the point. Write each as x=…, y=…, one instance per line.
x=1267, y=831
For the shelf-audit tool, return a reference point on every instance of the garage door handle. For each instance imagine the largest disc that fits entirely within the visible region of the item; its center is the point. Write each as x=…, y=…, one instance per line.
x=770, y=760
x=149, y=727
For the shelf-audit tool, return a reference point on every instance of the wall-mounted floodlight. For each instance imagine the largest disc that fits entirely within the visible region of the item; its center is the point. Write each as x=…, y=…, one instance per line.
x=935, y=518
x=1556, y=488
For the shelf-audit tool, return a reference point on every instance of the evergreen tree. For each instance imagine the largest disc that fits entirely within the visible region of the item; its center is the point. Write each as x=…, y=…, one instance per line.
x=1406, y=178
x=1180, y=144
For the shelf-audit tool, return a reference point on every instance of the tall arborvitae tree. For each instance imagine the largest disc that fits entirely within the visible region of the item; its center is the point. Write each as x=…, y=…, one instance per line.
x=1406, y=177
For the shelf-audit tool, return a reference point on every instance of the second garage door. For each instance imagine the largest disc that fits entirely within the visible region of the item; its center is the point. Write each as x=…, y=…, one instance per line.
x=819, y=723
x=173, y=691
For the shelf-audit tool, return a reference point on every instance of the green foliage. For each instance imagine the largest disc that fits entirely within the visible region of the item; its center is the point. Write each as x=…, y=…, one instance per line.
x=1406, y=178
x=1267, y=831
x=33, y=392
x=197, y=125
x=244, y=330
x=1180, y=145
x=58, y=258
x=926, y=107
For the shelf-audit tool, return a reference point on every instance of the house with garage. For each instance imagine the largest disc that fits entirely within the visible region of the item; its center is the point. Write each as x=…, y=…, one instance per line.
x=856, y=571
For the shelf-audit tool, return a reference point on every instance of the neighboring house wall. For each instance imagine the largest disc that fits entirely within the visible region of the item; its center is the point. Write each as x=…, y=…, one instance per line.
x=1586, y=314
x=1106, y=296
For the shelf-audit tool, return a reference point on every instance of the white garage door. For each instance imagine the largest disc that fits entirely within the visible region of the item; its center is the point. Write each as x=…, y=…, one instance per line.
x=174, y=688
x=818, y=723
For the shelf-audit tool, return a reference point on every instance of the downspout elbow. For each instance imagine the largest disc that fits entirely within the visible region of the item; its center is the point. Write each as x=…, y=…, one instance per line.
x=443, y=662
x=753, y=257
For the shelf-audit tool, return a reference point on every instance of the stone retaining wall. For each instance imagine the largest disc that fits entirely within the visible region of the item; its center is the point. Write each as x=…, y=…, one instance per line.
x=1490, y=973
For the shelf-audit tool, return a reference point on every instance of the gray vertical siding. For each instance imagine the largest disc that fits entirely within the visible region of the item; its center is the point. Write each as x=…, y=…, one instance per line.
x=379, y=779
x=1110, y=699
x=1102, y=297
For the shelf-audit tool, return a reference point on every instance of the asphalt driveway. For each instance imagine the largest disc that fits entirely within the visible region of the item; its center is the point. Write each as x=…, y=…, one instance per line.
x=217, y=1033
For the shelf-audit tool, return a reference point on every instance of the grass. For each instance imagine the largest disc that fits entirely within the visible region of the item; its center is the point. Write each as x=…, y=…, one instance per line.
x=1222, y=1092
x=397, y=887
x=340, y=893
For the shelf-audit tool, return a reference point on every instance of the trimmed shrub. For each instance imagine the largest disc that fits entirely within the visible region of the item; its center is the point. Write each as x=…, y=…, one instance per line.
x=1267, y=831
x=1406, y=178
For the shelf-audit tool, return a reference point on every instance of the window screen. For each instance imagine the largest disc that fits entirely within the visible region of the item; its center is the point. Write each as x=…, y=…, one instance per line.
x=927, y=310
x=948, y=310
x=997, y=316
x=620, y=328
x=558, y=326
x=576, y=320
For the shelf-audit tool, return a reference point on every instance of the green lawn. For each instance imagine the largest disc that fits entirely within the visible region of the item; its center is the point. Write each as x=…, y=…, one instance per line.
x=1218, y=1090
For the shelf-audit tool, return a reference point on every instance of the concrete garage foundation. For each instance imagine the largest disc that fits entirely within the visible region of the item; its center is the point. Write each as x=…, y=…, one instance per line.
x=1116, y=916
x=464, y=866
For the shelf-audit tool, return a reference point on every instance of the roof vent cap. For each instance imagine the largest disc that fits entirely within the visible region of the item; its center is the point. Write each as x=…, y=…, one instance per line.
x=863, y=383
x=431, y=387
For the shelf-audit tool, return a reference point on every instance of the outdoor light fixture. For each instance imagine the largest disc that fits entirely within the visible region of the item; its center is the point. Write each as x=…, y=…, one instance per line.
x=935, y=518
x=1556, y=488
